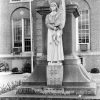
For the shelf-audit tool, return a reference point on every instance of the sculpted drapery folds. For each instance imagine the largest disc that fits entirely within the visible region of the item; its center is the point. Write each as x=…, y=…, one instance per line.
x=55, y=22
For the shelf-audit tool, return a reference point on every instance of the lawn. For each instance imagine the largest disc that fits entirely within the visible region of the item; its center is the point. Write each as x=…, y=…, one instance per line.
x=9, y=81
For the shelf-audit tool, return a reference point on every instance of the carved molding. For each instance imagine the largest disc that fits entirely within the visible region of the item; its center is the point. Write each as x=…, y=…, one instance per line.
x=72, y=8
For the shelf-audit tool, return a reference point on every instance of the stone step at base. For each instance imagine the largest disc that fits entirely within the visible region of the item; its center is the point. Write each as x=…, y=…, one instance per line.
x=30, y=83
x=58, y=90
x=13, y=96
x=66, y=85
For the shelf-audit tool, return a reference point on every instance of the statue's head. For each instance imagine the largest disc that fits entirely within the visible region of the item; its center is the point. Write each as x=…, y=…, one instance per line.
x=54, y=3
x=53, y=6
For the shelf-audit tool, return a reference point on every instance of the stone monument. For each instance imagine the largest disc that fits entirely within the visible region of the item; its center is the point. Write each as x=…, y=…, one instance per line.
x=66, y=78
x=55, y=22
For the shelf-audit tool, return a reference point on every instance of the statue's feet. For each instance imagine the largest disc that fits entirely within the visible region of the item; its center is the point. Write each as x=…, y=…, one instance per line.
x=55, y=63
x=59, y=62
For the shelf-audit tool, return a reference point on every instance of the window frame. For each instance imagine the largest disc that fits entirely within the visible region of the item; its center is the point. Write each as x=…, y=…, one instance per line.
x=23, y=36
x=29, y=37
x=11, y=1
x=88, y=44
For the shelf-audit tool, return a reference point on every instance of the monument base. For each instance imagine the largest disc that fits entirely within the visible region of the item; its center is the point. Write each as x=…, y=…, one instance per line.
x=71, y=78
x=70, y=89
x=57, y=80
x=74, y=71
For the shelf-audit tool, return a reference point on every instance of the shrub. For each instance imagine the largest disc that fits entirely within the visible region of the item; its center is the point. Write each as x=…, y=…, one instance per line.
x=26, y=68
x=94, y=70
x=4, y=67
x=15, y=69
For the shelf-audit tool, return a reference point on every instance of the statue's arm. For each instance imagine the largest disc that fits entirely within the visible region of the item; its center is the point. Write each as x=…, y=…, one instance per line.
x=48, y=24
x=59, y=23
x=62, y=14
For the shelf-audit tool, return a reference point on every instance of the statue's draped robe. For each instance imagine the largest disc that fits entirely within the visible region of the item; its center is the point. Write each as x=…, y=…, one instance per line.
x=54, y=38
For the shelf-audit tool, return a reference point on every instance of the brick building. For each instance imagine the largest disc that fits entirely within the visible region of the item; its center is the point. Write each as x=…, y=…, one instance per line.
x=15, y=37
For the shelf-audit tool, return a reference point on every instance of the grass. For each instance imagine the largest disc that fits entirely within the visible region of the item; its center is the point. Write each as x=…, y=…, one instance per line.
x=10, y=86
x=10, y=81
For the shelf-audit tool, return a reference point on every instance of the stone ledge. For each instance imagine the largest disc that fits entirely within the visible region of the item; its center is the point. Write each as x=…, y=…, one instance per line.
x=62, y=91
x=12, y=96
x=77, y=89
x=57, y=91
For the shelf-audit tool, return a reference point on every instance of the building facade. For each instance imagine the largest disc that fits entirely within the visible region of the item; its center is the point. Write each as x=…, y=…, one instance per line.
x=15, y=36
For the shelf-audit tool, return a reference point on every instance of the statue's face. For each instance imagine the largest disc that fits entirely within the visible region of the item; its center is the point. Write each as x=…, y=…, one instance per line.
x=53, y=6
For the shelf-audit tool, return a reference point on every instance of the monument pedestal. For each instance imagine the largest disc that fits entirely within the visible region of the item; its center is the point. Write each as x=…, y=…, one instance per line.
x=74, y=71
x=54, y=74
x=58, y=80
x=76, y=78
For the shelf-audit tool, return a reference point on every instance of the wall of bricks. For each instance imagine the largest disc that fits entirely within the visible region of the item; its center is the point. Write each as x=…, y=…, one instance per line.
x=91, y=61
x=39, y=33
x=6, y=9
x=15, y=62
x=5, y=33
x=95, y=24
x=94, y=60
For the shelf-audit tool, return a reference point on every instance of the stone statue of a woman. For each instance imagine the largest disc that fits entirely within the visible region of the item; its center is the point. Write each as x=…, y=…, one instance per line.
x=55, y=22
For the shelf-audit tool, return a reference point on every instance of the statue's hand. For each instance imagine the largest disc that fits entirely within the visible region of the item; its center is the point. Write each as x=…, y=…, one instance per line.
x=55, y=28
x=59, y=33
x=54, y=37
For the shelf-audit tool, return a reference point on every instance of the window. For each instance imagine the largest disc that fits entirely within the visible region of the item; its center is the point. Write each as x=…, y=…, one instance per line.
x=21, y=35
x=84, y=31
x=27, y=36
x=16, y=1
x=17, y=33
